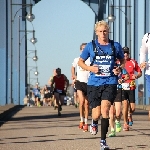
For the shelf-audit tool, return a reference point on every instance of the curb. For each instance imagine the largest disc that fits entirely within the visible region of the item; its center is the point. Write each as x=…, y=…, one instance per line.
x=144, y=107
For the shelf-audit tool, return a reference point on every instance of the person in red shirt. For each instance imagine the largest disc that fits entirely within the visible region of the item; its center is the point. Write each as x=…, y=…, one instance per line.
x=129, y=86
x=61, y=84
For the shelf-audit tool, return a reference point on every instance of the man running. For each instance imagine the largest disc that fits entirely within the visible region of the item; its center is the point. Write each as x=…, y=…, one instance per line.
x=115, y=110
x=103, y=79
x=61, y=84
x=144, y=50
x=81, y=86
x=129, y=87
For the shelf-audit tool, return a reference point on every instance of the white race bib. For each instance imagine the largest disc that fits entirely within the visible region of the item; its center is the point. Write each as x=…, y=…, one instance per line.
x=104, y=71
x=126, y=86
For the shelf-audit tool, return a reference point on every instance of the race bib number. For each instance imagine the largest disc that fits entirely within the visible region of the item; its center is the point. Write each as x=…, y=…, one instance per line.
x=104, y=71
x=59, y=91
x=125, y=86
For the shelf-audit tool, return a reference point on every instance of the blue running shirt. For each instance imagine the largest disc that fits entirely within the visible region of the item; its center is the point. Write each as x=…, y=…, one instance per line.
x=36, y=92
x=105, y=60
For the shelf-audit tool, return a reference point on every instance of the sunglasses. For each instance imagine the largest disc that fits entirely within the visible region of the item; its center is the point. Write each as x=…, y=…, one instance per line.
x=126, y=52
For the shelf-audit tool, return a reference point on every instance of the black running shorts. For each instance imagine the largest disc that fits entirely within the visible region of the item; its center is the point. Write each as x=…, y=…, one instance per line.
x=61, y=92
x=119, y=95
x=81, y=86
x=103, y=92
x=128, y=95
x=48, y=95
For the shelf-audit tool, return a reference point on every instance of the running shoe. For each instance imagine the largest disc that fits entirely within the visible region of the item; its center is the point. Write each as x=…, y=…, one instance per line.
x=118, y=126
x=112, y=134
x=94, y=129
x=81, y=125
x=103, y=145
x=85, y=127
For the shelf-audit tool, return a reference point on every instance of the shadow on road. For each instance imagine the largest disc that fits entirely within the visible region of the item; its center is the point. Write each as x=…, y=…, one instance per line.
x=9, y=113
x=36, y=117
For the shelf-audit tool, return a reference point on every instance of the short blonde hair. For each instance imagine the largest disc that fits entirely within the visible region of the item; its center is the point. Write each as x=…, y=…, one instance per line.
x=100, y=23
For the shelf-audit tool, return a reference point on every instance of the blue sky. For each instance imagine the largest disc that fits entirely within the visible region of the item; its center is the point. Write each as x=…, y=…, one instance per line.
x=60, y=27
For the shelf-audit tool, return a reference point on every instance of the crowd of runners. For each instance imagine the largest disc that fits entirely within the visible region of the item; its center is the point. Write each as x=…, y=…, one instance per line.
x=104, y=79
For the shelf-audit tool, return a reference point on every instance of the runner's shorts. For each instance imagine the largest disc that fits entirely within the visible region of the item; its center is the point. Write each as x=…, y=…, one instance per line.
x=35, y=96
x=128, y=95
x=119, y=95
x=61, y=92
x=103, y=92
x=82, y=86
x=48, y=95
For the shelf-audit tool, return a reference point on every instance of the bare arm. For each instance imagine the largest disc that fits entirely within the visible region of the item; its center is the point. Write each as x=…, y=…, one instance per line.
x=73, y=72
x=66, y=81
x=52, y=84
x=82, y=64
x=122, y=63
x=138, y=70
x=118, y=69
x=139, y=75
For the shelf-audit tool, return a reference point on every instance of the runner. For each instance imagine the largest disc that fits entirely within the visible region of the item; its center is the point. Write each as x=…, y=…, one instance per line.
x=129, y=87
x=144, y=50
x=47, y=96
x=115, y=110
x=81, y=86
x=36, y=94
x=103, y=79
x=60, y=88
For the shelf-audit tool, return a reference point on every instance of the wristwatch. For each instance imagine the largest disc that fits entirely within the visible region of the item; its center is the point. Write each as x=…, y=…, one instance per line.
x=123, y=80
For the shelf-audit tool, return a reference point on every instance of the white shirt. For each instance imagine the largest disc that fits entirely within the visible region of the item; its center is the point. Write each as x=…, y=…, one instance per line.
x=82, y=75
x=144, y=50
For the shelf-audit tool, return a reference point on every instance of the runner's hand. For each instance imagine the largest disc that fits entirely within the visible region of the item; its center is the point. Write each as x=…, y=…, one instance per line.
x=134, y=76
x=73, y=77
x=94, y=69
x=117, y=71
x=143, y=65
